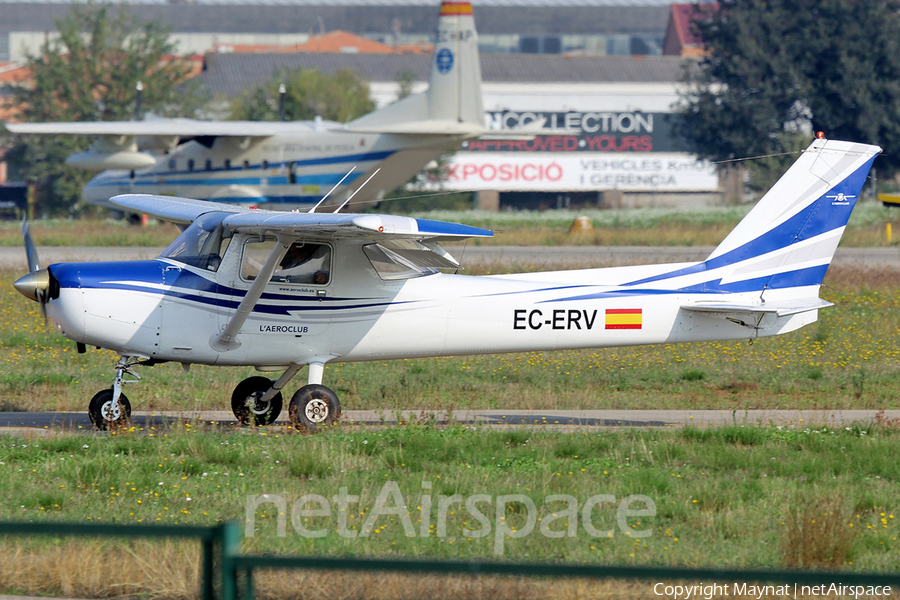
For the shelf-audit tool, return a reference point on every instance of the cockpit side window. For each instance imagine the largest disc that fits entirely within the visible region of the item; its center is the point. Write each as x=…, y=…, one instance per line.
x=393, y=263
x=202, y=244
x=304, y=262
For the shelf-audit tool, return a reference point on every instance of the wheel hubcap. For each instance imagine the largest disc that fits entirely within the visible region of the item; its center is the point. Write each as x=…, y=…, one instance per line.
x=257, y=407
x=110, y=411
x=316, y=410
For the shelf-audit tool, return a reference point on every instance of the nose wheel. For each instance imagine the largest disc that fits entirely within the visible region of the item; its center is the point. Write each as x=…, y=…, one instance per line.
x=248, y=405
x=110, y=409
x=313, y=407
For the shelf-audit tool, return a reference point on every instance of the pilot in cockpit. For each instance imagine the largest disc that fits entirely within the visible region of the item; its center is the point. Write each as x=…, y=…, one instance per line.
x=304, y=263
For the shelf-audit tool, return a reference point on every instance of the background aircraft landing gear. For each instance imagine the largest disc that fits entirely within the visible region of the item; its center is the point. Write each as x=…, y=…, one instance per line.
x=248, y=406
x=314, y=406
x=106, y=415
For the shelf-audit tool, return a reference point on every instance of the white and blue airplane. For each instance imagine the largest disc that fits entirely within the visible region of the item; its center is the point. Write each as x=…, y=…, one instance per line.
x=285, y=165
x=284, y=290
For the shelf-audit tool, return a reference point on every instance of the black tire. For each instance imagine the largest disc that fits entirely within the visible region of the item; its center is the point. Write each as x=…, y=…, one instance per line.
x=260, y=414
x=313, y=407
x=99, y=411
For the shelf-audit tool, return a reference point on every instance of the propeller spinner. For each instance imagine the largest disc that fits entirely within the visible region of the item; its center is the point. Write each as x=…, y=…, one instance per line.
x=36, y=283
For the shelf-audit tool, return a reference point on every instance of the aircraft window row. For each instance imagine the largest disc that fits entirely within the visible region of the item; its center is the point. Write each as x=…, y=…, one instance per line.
x=192, y=164
x=202, y=244
x=304, y=262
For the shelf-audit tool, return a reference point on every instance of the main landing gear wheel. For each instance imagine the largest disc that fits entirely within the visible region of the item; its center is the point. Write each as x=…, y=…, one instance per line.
x=104, y=415
x=246, y=406
x=314, y=406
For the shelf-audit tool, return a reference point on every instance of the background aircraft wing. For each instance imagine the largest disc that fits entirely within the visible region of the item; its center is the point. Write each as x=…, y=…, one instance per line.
x=182, y=128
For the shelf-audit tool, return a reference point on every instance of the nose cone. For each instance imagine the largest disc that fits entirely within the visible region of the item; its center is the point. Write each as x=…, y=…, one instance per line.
x=34, y=285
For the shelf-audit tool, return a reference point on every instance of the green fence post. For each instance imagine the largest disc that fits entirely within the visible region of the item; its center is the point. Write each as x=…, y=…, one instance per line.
x=248, y=584
x=207, y=573
x=231, y=546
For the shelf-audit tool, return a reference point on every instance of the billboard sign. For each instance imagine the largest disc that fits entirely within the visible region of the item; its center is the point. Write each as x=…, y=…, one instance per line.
x=581, y=132
x=550, y=172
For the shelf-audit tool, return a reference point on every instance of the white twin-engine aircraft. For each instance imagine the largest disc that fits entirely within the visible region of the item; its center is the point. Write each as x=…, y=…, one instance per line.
x=280, y=290
x=292, y=164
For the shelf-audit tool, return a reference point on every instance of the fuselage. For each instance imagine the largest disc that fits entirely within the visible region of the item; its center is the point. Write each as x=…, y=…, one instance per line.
x=168, y=310
x=279, y=171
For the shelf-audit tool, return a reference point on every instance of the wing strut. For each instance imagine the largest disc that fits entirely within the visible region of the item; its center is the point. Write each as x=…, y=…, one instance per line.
x=226, y=339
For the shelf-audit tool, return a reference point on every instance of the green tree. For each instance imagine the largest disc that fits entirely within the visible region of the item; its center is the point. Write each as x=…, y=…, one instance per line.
x=776, y=68
x=405, y=81
x=89, y=73
x=341, y=97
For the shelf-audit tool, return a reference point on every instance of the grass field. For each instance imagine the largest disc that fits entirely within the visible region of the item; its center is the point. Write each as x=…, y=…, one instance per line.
x=726, y=497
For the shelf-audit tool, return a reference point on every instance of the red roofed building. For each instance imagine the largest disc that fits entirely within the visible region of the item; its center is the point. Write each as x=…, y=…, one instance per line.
x=681, y=40
x=335, y=41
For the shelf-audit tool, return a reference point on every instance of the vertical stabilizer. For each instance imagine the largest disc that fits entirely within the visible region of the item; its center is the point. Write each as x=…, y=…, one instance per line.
x=452, y=104
x=789, y=238
x=454, y=88
x=793, y=231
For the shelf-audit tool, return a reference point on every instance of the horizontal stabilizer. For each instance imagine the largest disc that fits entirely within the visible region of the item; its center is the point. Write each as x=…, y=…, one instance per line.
x=430, y=127
x=752, y=315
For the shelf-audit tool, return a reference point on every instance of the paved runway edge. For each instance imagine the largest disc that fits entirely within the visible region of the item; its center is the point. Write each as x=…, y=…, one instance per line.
x=18, y=421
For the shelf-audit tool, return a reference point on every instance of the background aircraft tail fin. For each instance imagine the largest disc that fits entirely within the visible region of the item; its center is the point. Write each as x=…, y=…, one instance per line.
x=452, y=104
x=454, y=88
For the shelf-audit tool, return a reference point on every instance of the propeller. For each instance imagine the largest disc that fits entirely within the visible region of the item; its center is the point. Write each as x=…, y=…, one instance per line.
x=36, y=283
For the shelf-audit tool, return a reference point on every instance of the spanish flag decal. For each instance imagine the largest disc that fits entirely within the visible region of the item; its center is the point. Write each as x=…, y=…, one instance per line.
x=449, y=9
x=624, y=318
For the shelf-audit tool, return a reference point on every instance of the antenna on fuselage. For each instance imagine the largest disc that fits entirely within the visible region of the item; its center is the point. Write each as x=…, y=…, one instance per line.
x=357, y=191
x=336, y=186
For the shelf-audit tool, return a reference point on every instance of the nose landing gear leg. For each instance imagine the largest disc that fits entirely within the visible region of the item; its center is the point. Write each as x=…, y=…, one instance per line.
x=110, y=409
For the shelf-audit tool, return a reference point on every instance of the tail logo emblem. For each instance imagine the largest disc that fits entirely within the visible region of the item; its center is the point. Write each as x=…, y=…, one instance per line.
x=444, y=60
x=840, y=200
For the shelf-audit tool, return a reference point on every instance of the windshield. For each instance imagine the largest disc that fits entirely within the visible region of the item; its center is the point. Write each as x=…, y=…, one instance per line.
x=202, y=244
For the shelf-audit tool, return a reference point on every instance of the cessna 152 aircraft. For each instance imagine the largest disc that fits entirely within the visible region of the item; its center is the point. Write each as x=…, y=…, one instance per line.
x=290, y=164
x=280, y=290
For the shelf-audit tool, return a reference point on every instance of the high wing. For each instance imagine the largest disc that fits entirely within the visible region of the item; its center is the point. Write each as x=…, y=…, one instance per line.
x=116, y=144
x=296, y=224
x=181, y=128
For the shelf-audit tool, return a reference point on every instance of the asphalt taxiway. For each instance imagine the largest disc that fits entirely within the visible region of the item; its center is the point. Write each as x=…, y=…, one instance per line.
x=554, y=419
